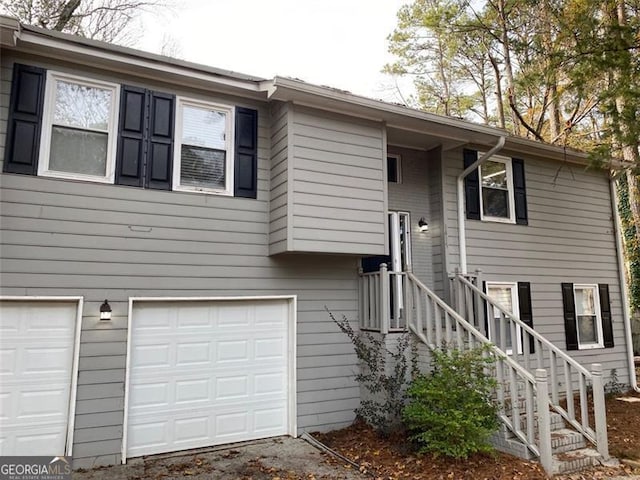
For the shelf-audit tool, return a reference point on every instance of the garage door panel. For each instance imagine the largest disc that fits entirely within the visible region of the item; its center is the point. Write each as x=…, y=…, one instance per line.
x=205, y=373
x=37, y=342
x=30, y=441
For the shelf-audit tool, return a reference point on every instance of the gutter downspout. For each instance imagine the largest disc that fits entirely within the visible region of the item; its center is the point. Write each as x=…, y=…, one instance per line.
x=623, y=286
x=462, y=237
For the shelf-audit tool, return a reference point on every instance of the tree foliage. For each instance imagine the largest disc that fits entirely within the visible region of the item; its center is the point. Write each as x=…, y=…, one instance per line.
x=107, y=20
x=560, y=71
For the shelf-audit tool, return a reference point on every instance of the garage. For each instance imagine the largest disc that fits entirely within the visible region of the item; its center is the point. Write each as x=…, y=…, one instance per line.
x=38, y=368
x=204, y=372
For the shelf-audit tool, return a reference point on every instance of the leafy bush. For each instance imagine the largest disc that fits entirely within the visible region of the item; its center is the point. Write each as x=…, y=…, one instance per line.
x=614, y=387
x=451, y=411
x=384, y=374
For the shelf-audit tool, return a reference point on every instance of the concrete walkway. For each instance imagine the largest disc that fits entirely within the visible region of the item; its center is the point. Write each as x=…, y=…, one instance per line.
x=282, y=457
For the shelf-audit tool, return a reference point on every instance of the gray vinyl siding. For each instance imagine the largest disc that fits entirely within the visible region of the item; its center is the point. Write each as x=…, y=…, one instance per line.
x=413, y=195
x=62, y=237
x=437, y=223
x=336, y=178
x=279, y=207
x=570, y=238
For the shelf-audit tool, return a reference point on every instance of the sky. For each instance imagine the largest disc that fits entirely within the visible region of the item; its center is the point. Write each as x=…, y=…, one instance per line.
x=337, y=43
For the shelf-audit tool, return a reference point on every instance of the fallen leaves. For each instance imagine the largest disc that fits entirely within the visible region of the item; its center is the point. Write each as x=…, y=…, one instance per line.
x=391, y=459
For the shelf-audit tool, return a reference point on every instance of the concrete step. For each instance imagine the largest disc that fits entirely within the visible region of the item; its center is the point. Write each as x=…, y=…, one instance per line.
x=565, y=440
x=575, y=460
x=555, y=419
x=512, y=446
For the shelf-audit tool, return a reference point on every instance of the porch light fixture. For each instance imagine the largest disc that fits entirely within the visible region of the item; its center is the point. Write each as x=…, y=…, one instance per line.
x=105, y=311
x=423, y=226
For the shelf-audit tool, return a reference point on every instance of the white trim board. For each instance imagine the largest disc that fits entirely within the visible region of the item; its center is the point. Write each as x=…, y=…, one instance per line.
x=291, y=341
x=76, y=354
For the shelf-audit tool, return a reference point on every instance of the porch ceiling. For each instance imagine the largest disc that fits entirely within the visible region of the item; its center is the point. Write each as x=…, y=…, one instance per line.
x=419, y=140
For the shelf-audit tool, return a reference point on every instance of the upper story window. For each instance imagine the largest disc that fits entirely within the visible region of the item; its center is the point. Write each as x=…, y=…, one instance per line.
x=394, y=171
x=588, y=316
x=78, y=128
x=496, y=191
x=62, y=125
x=203, y=156
x=496, y=183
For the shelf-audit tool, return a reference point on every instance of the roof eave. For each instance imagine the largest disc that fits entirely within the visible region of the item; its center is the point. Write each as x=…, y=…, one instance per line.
x=71, y=48
x=399, y=116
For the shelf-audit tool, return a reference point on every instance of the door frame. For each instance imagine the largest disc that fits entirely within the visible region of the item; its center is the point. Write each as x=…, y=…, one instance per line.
x=73, y=390
x=291, y=351
x=395, y=252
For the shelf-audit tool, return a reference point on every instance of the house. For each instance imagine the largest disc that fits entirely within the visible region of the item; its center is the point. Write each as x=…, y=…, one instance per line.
x=171, y=234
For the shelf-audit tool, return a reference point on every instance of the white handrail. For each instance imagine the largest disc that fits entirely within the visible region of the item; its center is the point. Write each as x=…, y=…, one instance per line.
x=382, y=300
x=524, y=326
x=560, y=365
x=436, y=324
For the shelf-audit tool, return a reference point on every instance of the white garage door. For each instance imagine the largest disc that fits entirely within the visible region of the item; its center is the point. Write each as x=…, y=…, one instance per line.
x=205, y=373
x=36, y=367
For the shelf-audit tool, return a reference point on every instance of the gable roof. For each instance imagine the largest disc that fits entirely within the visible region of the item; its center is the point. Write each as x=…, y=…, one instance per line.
x=452, y=131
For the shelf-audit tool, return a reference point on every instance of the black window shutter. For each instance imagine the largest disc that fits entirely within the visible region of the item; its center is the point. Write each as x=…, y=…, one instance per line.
x=131, y=136
x=520, y=192
x=246, y=153
x=605, y=312
x=25, y=120
x=526, y=313
x=569, y=309
x=471, y=186
x=160, y=141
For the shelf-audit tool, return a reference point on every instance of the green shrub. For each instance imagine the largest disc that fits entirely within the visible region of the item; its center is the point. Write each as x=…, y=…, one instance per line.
x=451, y=411
x=384, y=374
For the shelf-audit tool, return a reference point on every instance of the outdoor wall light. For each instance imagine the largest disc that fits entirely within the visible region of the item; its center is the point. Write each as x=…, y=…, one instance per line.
x=423, y=226
x=105, y=311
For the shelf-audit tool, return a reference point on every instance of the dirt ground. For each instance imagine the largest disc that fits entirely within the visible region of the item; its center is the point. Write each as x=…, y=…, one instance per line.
x=280, y=458
x=391, y=459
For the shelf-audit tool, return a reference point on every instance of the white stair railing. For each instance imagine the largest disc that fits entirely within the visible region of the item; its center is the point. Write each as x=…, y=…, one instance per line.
x=568, y=381
x=383, y=301
x=438, y=325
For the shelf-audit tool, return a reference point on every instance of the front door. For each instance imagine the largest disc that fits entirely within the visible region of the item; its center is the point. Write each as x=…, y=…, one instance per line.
x=400, y=250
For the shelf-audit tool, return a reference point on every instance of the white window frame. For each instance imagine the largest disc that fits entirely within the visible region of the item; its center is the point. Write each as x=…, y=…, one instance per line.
x=229, y=142
x=515, y=303
x=47, y=125
x=598, y=312
x=510, y=191
x=398, y=166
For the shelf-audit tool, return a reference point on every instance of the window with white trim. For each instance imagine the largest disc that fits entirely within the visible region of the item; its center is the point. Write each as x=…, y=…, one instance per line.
x=505, y=294
x=79, y=128
x=496, y=187
x=588, y=316
x=203, y=150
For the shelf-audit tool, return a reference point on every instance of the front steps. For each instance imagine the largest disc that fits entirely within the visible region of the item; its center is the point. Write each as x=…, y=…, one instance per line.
x=570, y=450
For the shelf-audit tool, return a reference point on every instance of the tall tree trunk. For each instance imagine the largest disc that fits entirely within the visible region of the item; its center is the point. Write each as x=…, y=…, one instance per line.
x=554, y=107
x=508, y=67
x=66, y=14
x=629, y=147
x=499, y=98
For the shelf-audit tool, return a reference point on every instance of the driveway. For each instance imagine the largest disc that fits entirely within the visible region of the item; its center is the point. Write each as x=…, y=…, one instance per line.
x=283, y=458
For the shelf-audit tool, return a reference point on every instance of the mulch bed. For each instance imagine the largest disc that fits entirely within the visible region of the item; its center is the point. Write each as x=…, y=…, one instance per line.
x=623, y=426
x=393, y=459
